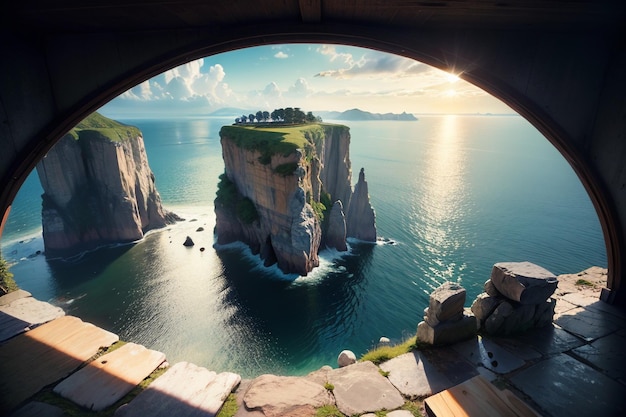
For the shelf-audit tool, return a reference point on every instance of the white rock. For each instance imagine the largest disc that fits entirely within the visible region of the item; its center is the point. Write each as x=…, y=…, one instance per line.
x=346, y=357
x=384, y=340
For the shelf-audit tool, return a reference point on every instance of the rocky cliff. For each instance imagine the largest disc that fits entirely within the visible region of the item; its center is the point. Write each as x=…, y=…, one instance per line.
x=98, y=188
x=278, y=189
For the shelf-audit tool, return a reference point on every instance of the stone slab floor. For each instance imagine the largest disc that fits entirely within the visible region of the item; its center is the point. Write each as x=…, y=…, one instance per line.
x=576, y=366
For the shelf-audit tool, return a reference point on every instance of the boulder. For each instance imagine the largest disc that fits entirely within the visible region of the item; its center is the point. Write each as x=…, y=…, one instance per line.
x=484, y=305
x=523, y=282
x=188, y=242
x=346, y=357
x=497, y=316
x=384, y=340
x=446, y=302
x=495, y=320
x=491, y=289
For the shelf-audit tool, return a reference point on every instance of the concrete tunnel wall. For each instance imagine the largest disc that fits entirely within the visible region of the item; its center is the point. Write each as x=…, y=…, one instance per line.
x=569, y=86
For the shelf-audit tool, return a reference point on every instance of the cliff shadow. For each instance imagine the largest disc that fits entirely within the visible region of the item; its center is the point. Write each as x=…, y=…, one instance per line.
x=68, y=272
x=312, y=315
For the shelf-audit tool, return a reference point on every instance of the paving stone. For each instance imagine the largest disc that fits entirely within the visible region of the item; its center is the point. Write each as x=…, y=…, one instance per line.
x=414, y=376
x=240, y=392
x=20, y=313
x=451, y=364
x=562, y=306
x=563, y=386
x=12, y=296
x=64, y=344
x=608, y=354
x=549, y=340
x=588, y=324
x=277, y=395
x=487, y=353
x=106, y=380
x=594, y=304
x=39, y=409
x=360, y=388
x=184, y=390
x=517, y=347
x=399, y=413
x=486, y=373
x=320, y=376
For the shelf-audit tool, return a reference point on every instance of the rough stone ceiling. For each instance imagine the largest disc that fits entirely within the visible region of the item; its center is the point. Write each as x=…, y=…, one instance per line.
x=61, y=16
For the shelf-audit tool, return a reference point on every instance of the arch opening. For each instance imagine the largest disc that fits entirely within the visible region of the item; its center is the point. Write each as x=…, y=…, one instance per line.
x=441, y=159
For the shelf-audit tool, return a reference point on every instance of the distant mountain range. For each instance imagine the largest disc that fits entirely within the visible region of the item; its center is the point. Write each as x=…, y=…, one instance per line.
x=353, y=114
x=357, y=114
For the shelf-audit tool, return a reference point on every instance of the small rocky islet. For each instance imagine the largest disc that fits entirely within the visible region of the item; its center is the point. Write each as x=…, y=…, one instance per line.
x=286, y=192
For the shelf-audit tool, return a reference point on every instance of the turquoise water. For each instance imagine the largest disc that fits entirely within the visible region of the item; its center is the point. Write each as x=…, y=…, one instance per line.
x=456, y=193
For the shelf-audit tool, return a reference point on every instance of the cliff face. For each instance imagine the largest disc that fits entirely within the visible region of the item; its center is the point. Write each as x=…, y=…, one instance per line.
x=274, y=194
x=98, y=188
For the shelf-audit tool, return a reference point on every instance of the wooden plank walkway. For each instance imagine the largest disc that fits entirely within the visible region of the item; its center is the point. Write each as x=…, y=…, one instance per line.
x=185, y=390
x=107, y=379
x=42, y=356
x=477, y=398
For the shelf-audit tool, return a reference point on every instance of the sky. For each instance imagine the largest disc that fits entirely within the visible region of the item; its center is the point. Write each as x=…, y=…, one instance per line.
x=314, y=77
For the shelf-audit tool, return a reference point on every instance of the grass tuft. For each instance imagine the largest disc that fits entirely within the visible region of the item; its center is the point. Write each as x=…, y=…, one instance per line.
x=384, y=353
x=329, y=386
x=230, y=407
x=413, y=408
x=7, y=283
x=584, y=282
x=330, y=410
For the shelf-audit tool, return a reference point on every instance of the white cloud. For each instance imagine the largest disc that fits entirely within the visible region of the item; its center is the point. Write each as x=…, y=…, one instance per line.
x=300, y=88
x=272, y=90
x=281, y=55
x=371, y=64
x=184, y=83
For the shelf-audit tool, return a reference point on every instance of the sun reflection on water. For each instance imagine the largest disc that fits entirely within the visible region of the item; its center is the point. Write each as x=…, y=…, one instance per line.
x=442, y=202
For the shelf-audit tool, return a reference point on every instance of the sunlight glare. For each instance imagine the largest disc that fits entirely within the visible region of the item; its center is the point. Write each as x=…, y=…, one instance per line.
x=452, y=78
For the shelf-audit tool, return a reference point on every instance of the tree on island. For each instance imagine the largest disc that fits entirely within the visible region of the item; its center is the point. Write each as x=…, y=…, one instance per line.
x=288, y=115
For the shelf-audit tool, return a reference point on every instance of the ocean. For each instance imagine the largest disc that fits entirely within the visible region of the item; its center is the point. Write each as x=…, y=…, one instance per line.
x=453, y=194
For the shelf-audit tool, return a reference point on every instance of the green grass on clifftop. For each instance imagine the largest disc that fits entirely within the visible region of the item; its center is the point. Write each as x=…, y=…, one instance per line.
x=272, y=140
x=98, y=126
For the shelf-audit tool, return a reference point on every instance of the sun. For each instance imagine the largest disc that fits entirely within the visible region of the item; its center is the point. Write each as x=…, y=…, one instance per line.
x=452, y=78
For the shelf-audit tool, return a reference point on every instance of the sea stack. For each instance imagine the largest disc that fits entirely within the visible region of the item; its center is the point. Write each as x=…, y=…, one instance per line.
x=361, y=216
x=286, y=199
x=98, y=188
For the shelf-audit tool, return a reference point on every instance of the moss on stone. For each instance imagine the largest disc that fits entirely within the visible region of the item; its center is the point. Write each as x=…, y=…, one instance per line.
x=285, y=170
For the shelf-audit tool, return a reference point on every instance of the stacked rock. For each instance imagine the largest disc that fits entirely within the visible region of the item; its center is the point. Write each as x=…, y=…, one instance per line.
x=445, y=319
x=516, y=298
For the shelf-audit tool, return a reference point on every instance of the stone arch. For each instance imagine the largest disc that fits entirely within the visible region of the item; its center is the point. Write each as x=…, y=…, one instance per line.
x=477, y=56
